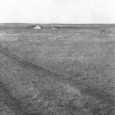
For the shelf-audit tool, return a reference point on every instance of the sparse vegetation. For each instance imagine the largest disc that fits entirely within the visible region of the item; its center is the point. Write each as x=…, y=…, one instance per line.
x=73, y=75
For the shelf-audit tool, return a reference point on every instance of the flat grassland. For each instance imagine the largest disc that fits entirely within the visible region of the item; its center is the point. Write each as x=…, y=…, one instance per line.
x=69, y=70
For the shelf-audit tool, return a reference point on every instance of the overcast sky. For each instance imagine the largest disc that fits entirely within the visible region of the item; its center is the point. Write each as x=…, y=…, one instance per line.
x=57, y=11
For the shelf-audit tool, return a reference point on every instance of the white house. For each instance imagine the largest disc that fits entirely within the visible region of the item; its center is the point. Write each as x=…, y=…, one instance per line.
x=37, y=27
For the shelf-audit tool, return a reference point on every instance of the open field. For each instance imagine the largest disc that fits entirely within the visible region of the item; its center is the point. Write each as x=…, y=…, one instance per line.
x=65, y=71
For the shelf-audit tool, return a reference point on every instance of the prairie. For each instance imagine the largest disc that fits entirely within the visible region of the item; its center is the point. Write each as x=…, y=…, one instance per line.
x=67, y=71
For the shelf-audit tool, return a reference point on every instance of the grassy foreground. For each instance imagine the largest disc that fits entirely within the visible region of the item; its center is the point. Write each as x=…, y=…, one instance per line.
x=65, y=71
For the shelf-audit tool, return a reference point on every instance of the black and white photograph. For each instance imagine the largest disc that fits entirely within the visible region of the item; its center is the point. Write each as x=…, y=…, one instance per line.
x=57, y=57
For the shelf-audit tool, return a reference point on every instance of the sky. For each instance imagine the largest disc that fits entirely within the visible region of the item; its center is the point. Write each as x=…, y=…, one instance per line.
x=57, y=11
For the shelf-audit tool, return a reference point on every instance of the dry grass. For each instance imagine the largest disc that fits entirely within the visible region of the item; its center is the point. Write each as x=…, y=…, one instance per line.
x=62, y=72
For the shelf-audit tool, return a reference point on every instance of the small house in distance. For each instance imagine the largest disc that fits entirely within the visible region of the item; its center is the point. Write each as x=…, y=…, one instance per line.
x=37, y=27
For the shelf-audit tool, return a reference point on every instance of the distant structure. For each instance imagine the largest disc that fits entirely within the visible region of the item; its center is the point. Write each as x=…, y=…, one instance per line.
x=37, y=27
x=55, y=28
